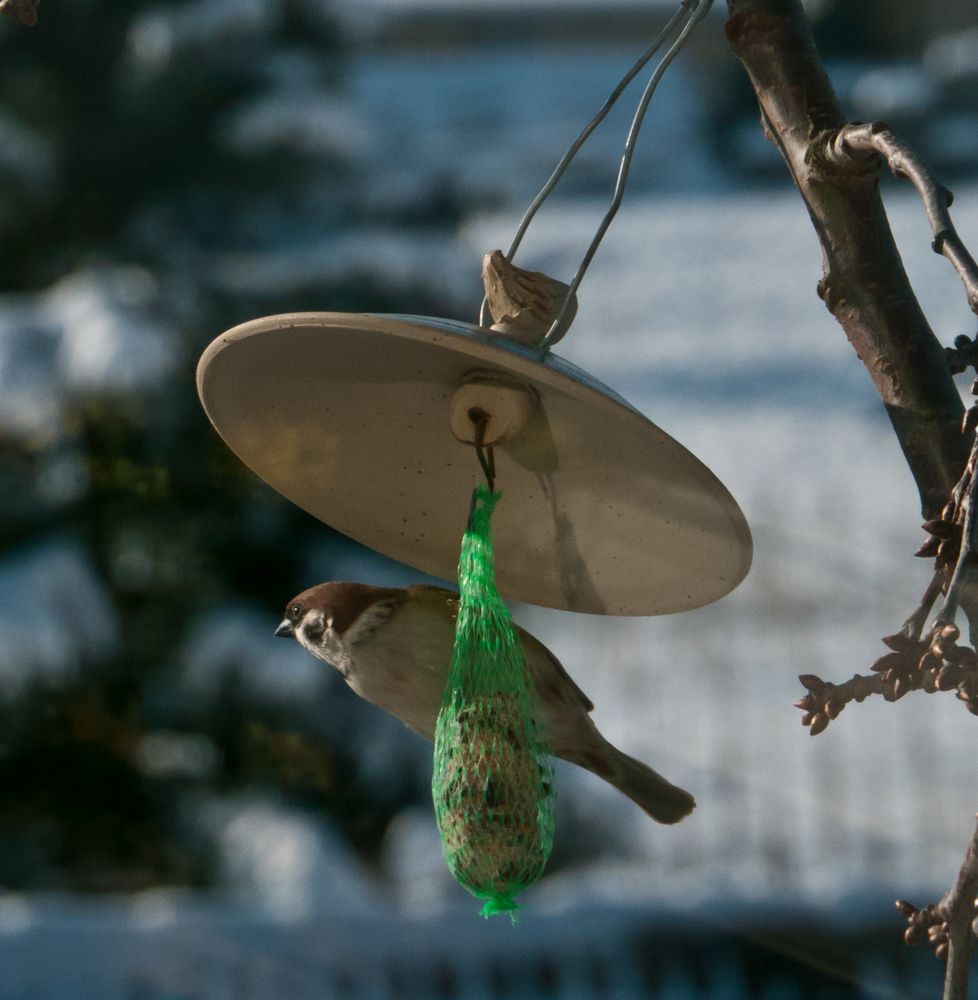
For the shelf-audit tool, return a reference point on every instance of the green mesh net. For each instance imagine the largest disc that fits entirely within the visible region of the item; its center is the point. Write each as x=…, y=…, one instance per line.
x=493, y=783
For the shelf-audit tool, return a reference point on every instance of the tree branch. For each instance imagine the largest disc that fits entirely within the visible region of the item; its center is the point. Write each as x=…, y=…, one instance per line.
x=965, y=498
x=959, y=908
x=859, y=141
x=825, y=700
x=864, y=284
x=934, y=663
x=948, y=926
x=835, y=166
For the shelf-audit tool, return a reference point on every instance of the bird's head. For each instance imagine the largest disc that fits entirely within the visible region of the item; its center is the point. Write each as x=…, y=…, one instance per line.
x=330, y=620
x=310, y=621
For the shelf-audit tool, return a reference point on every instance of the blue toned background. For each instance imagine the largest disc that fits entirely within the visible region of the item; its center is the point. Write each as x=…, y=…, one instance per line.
x=189, y=809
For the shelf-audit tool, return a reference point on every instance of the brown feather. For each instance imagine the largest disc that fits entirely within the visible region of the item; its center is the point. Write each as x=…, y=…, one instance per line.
x=345, y=602
x=565, y=683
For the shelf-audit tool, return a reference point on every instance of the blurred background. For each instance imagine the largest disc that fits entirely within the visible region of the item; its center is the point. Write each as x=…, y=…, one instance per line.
x=190, y=810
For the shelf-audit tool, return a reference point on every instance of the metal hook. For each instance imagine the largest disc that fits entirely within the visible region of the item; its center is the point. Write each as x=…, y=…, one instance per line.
x=486, y=456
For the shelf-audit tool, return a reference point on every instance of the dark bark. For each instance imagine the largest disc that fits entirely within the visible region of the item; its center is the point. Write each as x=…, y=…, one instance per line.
x=864, y=284
x=959, y=909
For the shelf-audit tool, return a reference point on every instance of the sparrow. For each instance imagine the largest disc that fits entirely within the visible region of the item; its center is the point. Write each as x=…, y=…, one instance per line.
x=393, y=647
x=524, y=304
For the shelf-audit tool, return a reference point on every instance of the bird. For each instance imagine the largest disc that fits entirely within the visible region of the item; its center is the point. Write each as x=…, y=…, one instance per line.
x=524, y=304
x=393, y=647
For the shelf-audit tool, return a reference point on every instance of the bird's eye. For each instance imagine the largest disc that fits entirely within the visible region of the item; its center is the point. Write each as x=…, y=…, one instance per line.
x=295, y=611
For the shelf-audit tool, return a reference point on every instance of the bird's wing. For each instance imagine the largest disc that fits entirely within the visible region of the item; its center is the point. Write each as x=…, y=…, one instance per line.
x=537, y=653
x=563, y=684
x=434, y=596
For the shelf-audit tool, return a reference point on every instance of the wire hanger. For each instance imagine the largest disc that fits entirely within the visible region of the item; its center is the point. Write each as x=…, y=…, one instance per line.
x=693, y=11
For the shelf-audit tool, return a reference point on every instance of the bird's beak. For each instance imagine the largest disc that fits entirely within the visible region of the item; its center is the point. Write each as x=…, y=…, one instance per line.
x=285, y=630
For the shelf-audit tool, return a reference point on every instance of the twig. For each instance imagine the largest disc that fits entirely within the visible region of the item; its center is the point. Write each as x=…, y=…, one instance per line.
x=962, y=356
x=959, y=905
x=861, y=141
x=948, y=925
x=825, y=700
x=914, y=625
x=964, y=495
x=933, y=663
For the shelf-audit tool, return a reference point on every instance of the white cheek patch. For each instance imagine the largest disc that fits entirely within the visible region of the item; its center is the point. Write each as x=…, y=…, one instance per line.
x=311, y=627
x=323, y=643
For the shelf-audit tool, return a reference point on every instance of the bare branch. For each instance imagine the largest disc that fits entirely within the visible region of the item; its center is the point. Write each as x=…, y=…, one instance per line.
x=959, y=908
x=825, y=700
x=864, y=282
x=948, y=925
x=914, y=625
x=934, y=663
x=964, y=497
x=869, y=141
x=835, y=166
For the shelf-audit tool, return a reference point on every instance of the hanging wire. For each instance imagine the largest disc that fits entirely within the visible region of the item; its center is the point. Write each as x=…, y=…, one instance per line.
x=572, y=151
x=696, y=15
x=484, y=453
x=696, y=10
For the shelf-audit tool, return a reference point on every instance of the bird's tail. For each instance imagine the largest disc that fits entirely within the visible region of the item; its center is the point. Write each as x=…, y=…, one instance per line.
x=662, y=800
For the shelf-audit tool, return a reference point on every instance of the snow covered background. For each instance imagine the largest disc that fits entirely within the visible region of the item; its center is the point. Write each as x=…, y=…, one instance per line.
x=701, y=310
